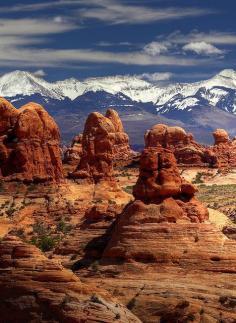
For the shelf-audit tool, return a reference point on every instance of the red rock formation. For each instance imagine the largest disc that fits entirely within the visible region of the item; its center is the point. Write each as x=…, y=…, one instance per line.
x=186, y=150
x=160, y=183
x=36, y=289
x=221, y=136
x=164, y=259
x=103, y=142
x=223, y=153
x=29, y=144
x=161, y=196
x=121, y=148
x=73, y=154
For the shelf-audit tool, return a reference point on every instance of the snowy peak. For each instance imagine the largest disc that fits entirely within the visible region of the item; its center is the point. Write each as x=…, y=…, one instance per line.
x=230, y=73
x=25, y=83
x=218, y=91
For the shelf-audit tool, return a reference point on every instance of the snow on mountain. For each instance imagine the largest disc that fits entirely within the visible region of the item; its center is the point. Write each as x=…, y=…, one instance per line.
x=219, y=91
x=24, y=83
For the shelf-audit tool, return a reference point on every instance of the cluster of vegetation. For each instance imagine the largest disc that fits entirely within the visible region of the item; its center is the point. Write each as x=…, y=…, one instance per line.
x=219, y=197
x=43, y=237
x=198, y=178
x=128, y=189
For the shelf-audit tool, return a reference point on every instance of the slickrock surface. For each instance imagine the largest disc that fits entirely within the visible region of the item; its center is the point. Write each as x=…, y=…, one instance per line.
x=223, y=153
x=186, y=150
x=36, y=289
x=104, y=141
x=73, y=154
x=164, y=259
x=29, y=144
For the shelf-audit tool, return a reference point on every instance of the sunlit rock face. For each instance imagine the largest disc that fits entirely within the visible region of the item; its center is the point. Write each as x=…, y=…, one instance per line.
x=186, y=150
x=29, y=144
x=103, y=142
x=36, y=289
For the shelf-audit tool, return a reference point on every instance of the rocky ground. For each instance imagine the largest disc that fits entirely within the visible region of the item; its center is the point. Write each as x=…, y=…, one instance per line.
x=110, y=235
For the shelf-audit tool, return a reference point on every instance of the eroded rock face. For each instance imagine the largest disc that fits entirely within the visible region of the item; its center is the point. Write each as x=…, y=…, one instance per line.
x=221, y=136
x=121, y=148
x=186, y=150
x=29, y=144
x=36, y=289
x=162, y=196
x=223, y=153
x=103, y=142
x=73, y=154
x=160, y=183
x=168, y=263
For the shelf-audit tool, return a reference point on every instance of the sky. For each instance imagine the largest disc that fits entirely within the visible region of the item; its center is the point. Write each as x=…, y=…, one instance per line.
x=161, y=41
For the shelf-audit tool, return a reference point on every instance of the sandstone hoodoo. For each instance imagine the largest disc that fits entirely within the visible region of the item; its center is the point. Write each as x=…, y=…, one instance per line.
x=162, y=196
x=103, y=142
x=121, y=148
x=186, y=150
x=29, y=144
x=36, y=289
x=170, y=264
x=223, y=153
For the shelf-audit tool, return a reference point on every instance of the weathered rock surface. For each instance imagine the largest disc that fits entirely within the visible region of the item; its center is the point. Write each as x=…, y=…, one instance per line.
x=36, y=289
x=160, y=183
x=164, y=259
x=73, y=154
x=29, y=144
x=223, y=153
x=121, y=148
x=186, y=150
x=190, y=153
x=104, y=141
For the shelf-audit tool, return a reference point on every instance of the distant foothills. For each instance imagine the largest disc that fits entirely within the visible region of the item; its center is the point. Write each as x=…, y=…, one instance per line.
x=199, y=107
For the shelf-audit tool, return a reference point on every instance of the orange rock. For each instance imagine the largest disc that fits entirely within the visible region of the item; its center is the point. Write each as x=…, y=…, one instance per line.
x=103, y=141
x=186, y=150
x=223, y=153
x=29, y=144
x=36, y=289
x=73, y=154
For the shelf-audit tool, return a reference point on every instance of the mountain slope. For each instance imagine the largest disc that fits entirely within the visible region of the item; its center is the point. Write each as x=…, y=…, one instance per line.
x=199, y=107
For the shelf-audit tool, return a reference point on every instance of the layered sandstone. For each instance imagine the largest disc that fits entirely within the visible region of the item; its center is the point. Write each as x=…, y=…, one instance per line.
x=29, y=144
x=186, y=150
x=104, y=141
x=36, y=289
x=162, y=196
x=164, y=259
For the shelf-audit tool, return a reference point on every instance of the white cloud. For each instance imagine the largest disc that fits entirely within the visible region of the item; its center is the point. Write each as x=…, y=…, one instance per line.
x=48, y=57
x=110, y=44
x=115, y=12
x=212, y=37
x=27, y=27
x=40, y=73
x=111, y=11
x=156, y=77
x=155, y=48
x=203, y=48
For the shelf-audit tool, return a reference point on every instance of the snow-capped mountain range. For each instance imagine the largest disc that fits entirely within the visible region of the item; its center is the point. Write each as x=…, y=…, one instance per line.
x=199, y=106
x=219, y=91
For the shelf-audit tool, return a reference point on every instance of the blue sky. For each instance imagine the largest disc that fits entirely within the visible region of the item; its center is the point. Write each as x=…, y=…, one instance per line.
x=160, y=40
